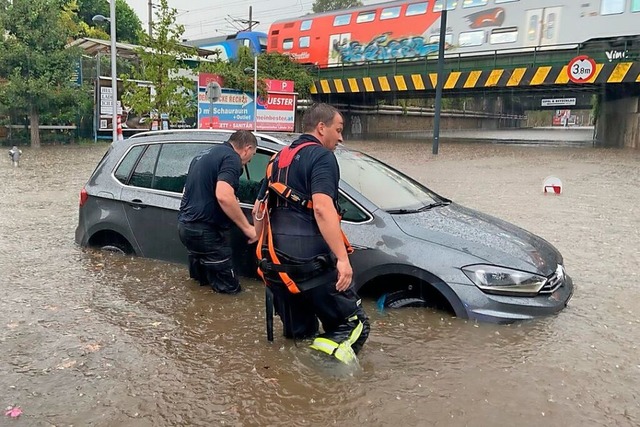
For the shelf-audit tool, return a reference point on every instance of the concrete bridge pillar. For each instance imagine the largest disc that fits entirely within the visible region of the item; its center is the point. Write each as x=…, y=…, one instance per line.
x=618, y=124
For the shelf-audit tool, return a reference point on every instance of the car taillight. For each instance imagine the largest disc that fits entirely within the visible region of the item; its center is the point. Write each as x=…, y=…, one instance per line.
x=83, y=197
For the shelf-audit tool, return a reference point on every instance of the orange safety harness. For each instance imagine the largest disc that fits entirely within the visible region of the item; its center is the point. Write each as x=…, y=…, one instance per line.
x=288, y=194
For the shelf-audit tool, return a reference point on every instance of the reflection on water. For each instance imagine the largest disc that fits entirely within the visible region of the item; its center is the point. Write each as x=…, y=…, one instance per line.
x=97, y=339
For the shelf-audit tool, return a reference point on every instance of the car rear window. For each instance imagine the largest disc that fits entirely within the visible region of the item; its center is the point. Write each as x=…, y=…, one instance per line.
x=143, y=173
x=126, y=165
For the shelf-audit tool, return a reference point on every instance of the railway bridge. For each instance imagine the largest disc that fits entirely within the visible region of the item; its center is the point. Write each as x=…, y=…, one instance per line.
x=610, y=85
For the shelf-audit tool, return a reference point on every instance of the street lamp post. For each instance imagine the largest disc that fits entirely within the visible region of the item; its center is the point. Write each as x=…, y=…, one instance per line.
x=440, y=81
x=114, y=79
x=255, y=91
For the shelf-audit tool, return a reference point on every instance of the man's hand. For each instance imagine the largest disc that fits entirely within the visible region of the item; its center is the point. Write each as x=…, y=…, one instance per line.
x=229, y=204
x=251, y=234
x=345, y=275
x=328, y=220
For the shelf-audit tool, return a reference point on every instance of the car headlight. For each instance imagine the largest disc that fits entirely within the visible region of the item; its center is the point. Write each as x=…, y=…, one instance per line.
x=504, y=281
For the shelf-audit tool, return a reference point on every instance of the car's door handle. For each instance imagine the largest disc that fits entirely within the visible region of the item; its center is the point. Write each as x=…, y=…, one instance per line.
x=137, y=204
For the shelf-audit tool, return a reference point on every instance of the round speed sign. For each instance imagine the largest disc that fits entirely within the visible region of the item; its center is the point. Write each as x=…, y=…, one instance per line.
x=581, y=69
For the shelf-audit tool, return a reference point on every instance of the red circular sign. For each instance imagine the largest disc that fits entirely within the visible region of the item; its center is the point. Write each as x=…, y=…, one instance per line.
x=581, y=69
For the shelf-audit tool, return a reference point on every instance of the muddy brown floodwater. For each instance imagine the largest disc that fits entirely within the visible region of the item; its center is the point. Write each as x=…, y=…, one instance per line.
x=88, y=339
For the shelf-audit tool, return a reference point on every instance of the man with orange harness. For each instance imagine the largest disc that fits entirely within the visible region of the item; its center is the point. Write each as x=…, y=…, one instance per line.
x=302, y=251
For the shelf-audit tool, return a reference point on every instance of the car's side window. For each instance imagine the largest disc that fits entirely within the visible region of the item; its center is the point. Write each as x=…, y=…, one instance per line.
x=127, y=164
x=173, y=165
x=250, y=184
x=350, y=212
x=143, y=173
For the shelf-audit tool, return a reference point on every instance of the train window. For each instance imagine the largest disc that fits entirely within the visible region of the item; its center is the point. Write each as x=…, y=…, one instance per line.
x=503, y=35
x=611, y=7
x=416, y=9
x=304, y=41
x=635, y=5
x=390, y=12
x=451, y=4
x=474, y=3
x=550, y=27
x=365, y=17
x=448, y=38
x=533, y=28
x=341, y=20
x=287, y=44
x=471, y=38
x=306, y=25
x=505, y=1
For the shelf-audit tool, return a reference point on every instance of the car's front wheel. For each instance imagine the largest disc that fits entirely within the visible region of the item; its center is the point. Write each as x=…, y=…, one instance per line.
x=401, y=299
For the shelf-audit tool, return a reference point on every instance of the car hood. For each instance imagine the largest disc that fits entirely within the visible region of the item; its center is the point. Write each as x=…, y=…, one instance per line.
x=490, y=239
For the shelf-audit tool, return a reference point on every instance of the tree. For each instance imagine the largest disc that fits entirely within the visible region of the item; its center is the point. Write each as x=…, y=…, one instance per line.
x=329, y=5
x=162, y=63
x=128, y=25
x=34, y=61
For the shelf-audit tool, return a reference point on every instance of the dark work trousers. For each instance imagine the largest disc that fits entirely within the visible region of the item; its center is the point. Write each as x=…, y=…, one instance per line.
x=209, y=256
x=335, y=310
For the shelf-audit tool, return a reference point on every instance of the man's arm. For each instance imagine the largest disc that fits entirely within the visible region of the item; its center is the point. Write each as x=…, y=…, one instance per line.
x=229, y=204
x=259, y=218
x=329, y=224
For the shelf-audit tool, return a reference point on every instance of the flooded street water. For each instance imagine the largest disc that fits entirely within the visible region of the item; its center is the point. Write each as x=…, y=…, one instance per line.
x=103, y=340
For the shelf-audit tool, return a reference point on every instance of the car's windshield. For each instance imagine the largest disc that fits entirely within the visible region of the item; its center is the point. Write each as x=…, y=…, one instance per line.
x=384, y=186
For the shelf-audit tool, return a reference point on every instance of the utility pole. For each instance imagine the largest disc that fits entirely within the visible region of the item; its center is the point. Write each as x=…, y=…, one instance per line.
x=250, y=22
x=440, y=82
x=150, y=18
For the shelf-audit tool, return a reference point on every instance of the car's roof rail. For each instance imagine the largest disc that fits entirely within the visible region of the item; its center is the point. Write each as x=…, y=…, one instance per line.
x=178, y=131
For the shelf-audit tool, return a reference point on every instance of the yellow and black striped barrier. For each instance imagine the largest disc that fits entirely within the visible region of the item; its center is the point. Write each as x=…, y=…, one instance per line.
x=622, y=72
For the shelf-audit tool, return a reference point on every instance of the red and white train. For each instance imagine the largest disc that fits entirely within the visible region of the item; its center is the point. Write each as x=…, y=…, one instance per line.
x=411, y=28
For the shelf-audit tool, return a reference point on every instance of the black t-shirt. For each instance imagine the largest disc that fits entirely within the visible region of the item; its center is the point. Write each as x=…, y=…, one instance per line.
x=199, y=202
x=313, y=170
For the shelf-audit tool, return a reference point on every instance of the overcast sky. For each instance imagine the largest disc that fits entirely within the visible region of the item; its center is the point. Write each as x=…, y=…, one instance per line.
x=208, y=18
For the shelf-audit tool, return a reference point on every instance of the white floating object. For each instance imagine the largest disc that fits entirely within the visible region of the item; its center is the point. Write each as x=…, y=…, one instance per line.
x=552, y=185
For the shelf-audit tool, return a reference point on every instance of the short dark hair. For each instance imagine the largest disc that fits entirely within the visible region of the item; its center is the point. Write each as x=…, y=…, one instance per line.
x=242, y=139
x=318, y=113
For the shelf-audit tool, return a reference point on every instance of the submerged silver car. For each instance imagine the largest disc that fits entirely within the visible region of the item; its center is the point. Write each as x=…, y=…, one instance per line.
x=412, y=246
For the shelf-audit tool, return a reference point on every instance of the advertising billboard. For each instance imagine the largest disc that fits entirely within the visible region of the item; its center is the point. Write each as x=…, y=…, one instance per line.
x=131, y=120
x=235, y=109
x=134, y=121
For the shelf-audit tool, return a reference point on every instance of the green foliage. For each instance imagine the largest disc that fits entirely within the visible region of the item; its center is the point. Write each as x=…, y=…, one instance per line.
x=329, y=5
x=596, y=103
x=34, y=61
x=270, y=66
x=128, y=25
x=161, y=61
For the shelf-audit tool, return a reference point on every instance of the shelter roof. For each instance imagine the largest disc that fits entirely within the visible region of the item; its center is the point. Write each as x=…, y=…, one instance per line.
x=93, y=46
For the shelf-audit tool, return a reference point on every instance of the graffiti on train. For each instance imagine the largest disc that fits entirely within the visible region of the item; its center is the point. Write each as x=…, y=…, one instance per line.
x=383, y=48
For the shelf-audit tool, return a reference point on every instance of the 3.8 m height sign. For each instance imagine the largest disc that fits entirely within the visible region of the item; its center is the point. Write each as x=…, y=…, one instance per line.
x=235, y=110
x=581, y=69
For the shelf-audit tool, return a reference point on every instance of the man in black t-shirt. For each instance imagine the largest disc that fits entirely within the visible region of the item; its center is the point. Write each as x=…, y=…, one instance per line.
x=310, y=275
x=209, y=207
